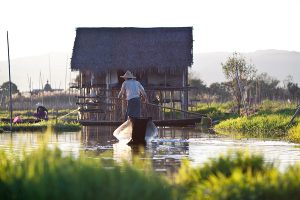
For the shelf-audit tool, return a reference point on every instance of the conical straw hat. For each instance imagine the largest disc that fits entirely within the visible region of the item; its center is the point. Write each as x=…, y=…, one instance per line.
x=128, y=74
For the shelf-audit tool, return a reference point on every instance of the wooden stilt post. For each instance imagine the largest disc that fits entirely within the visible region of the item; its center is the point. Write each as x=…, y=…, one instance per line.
x=185, y=89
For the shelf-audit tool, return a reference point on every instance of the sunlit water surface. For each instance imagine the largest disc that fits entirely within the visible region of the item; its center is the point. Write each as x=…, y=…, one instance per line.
x=165, y=152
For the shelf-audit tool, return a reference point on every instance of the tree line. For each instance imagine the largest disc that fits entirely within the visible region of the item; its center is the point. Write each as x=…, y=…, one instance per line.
x=244, y=85
x=50, y=99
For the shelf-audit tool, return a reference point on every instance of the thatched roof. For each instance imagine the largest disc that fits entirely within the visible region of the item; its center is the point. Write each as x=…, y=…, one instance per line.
x=160, y=49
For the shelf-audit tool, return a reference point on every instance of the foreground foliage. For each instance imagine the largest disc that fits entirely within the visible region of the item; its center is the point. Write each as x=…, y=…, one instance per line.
x=238, y=176
x=46, y=174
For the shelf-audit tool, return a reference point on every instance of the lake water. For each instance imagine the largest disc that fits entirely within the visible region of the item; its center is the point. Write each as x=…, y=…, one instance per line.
x=165, y=152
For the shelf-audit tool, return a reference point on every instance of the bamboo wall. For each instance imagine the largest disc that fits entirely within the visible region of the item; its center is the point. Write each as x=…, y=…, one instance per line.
x=98, y=100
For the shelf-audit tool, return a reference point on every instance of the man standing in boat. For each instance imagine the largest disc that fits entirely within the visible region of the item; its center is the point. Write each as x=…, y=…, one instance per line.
x=133, y=91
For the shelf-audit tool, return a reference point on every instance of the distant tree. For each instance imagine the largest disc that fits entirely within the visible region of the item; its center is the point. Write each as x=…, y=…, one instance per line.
x=220, y=90
x=238, y=73
x=266, y=87
x=198, y=85
x=293, y=90
x=5, y=88
x=288, y=79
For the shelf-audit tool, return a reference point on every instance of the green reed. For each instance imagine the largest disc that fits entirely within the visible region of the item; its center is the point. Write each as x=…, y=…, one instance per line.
x=46, y=174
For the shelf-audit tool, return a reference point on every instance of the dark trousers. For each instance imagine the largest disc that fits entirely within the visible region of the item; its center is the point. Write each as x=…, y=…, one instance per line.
x=134, y=108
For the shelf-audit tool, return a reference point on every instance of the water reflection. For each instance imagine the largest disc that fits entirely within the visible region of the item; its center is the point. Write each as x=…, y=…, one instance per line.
x=165, y=153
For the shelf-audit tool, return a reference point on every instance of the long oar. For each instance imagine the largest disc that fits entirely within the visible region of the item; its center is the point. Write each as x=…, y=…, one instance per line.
x=184, y=111
x=59, y=118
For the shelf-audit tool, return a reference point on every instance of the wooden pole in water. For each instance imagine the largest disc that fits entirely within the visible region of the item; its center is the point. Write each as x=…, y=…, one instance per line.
x=10, y=96
x=66, y=75
x=294, y=116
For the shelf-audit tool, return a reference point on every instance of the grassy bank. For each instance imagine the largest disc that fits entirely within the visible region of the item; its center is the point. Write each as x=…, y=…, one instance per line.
x=29, y=114
x=40, y=127
x=270, y=121
x=68, y=125
x=46, y=174
x=60, y=126
x=260, y=125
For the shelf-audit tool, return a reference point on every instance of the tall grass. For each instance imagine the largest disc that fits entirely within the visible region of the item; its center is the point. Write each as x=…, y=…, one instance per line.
x=263, y=125
x=238, y=176
x=280, y=107
x=271, y=119
x=46, y=174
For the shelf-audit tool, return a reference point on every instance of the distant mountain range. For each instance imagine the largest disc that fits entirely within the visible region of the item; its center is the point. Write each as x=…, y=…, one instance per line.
x=277, y=63
x=207, y=66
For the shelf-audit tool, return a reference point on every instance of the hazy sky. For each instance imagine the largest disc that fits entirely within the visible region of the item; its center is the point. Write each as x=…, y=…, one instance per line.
x=39, y=27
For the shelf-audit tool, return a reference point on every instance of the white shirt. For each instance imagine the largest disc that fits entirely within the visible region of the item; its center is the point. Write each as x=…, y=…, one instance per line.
x=132, y=88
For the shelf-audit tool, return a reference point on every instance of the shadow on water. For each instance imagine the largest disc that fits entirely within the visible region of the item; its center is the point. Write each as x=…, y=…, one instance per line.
x=164, y=153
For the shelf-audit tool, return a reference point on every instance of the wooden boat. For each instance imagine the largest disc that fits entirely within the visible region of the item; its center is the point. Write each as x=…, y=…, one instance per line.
x=136, y=131
x=139, y=126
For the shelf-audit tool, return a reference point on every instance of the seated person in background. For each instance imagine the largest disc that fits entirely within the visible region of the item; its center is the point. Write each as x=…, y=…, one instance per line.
x=17, y=119
x=41, y=113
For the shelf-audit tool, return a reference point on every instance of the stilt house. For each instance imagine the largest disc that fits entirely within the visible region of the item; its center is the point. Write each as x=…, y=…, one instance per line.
x=158, y=57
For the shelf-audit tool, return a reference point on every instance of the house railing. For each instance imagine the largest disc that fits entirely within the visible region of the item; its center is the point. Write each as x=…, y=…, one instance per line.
x=105, y=106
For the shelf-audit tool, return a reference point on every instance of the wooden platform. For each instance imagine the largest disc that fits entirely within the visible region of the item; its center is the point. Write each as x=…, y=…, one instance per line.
x=171, y=122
